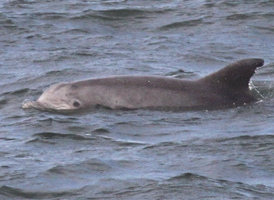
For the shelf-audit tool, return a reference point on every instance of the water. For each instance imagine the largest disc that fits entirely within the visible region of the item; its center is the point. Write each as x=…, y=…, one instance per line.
x=105, y=154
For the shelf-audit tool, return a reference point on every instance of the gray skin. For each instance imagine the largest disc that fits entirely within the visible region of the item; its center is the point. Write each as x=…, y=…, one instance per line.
x=225, y=88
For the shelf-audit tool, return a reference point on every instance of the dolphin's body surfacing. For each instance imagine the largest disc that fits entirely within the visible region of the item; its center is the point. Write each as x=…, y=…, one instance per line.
x=225, y=88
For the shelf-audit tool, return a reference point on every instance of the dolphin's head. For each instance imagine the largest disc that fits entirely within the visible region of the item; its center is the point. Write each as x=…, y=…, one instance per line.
x=58, y=97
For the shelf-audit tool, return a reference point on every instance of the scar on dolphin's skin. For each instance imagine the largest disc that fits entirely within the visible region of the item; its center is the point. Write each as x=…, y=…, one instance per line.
x=225, y=88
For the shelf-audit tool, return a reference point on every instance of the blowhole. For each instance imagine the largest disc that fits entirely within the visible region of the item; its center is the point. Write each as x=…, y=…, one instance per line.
x=76, y=104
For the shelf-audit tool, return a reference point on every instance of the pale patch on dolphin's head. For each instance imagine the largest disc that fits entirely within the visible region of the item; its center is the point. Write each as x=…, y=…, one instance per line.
x=59, y=97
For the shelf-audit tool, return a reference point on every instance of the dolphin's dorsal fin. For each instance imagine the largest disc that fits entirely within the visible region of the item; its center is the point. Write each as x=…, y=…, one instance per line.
x=236, y=75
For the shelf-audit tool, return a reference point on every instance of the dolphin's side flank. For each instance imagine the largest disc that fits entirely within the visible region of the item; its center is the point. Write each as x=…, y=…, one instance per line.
x=225, y=88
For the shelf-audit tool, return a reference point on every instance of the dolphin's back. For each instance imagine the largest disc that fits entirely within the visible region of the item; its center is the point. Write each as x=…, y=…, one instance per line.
x=224, y=88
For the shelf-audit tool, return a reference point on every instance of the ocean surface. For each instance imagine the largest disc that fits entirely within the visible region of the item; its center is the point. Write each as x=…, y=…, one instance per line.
x=140, y=154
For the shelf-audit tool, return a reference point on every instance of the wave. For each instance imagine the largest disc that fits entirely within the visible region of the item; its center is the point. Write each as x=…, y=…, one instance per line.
x=5, y=21
x=13, y=192
x=248, y=138
x=207, y=187
x=243, y=16
x=123, y=13
x=52, y=135
x=185, y=23
x=187, y=176
x=88, y=167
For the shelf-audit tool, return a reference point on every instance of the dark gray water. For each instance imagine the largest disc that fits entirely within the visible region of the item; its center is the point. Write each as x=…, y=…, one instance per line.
x=105, y=154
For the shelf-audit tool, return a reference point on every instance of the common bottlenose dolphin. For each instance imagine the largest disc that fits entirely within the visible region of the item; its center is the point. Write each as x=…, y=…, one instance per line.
x=225, y=88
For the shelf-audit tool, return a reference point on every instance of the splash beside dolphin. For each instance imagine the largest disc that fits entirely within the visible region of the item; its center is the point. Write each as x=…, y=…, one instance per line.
x=225, y=88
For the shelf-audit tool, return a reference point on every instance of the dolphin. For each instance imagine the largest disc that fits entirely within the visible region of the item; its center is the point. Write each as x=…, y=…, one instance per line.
x=227, y=87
